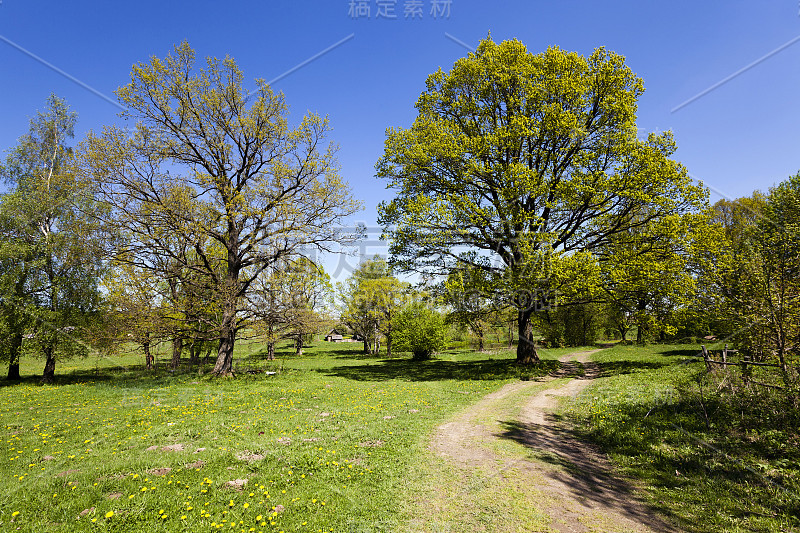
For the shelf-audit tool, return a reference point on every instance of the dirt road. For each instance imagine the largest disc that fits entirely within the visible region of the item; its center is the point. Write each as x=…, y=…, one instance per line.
x=510, y=444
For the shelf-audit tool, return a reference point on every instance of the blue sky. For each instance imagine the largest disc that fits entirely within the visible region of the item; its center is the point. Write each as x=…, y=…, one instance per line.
x=741, y=136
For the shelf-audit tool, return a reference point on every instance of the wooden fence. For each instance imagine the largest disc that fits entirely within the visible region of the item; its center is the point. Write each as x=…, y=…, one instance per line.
x=744, y=362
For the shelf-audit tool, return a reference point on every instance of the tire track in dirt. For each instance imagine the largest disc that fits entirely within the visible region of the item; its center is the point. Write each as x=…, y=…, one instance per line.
x=580, y=491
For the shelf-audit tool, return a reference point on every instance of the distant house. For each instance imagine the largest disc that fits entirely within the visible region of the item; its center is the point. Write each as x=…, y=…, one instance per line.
x=334, y=336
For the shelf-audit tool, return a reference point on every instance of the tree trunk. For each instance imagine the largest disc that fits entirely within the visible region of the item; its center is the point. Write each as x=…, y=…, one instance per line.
x=177, y=348
x=480, y=342
x=271, y=351
x=208, y=354
x=49, y=374
x=298, y=345
x=148, y=357
x=194, y=353
x=227, y=338
x=389, y=344
x=366, y=346
x=13, y=371
x=13, y=356
x=224, y=364
x=526, y=346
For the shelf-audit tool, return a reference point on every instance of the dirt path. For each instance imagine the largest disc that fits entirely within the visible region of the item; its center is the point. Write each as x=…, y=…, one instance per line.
x=570, y=484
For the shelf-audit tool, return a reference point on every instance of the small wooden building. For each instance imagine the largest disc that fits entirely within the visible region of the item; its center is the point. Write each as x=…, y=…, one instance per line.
x=334, y=336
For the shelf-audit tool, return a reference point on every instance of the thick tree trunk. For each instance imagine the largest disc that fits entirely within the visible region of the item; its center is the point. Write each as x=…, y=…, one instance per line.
x=224, y=364
x=366, y=346
x=298, y=345
x=148, y=357
x=389, y=344
x=13, y=354
x=227, y=339
x=49, y=374
x=526, y=346
x=177, y=348
x=271, y=351
x=480, y=343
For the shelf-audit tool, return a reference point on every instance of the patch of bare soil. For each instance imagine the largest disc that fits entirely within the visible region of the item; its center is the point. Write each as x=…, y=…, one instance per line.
x=580, y=490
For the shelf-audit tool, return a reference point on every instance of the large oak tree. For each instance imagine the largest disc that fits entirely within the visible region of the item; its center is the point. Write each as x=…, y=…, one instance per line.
x=518, y=164
x=220, y=170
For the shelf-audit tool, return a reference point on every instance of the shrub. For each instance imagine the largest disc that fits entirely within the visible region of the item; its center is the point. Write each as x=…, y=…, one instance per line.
x=420, y=330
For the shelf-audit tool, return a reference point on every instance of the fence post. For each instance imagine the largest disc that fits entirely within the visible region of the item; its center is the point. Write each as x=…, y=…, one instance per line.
x=745, y=369
x=705, y=357
x=725, y=354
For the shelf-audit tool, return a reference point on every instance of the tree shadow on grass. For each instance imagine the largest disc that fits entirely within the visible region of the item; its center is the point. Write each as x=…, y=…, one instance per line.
x=581, y=470
x=685, y=352
x=440, y=370
x=615, y=368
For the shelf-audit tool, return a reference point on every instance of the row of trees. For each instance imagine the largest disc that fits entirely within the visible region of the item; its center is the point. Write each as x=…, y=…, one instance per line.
x=522, y=192
x=523, y=183
x=186, y=223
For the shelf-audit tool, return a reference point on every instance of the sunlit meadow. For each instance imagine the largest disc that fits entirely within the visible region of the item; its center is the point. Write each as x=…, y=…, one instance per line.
x=324, y=444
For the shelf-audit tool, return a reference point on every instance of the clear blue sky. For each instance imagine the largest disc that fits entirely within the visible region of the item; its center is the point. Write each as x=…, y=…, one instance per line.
x=741, y=136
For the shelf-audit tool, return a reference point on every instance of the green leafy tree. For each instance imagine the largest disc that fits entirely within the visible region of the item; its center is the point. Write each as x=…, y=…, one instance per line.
x=62, y=254
x=292, y=303
x=221, y=170
x=759, y=279
x=16, y=256
x=517, y=163
x=420, y=330
x=134, y=306
x=370, y=299
x=464, y=292
x=646, y=280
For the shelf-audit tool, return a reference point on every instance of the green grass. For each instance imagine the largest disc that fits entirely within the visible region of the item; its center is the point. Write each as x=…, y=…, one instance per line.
x=326, y=444
x=715, y=460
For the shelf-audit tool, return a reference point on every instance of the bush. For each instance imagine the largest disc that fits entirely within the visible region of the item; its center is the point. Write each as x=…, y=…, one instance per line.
x=420, y=330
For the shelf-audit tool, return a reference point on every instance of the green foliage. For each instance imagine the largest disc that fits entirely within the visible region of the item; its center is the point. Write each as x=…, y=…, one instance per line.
x=420, y=330
x=464, y=292
x=294, y=301
x=755, y=286
x=573, y=325
x=525, y=166
x=49, y=245
x=711, y=453
x=371, y=298
x=214, y=187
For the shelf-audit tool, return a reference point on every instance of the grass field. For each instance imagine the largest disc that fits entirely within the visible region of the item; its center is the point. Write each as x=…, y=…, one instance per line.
x=323, y=445
x=716, y=461
x=336, y=441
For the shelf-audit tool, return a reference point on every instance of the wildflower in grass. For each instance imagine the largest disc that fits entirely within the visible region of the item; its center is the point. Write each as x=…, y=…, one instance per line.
x=109, y=514
x=15, y=513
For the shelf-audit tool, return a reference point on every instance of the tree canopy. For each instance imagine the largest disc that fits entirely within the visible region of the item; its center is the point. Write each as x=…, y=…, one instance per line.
x=521, y=164
x=214, y=182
